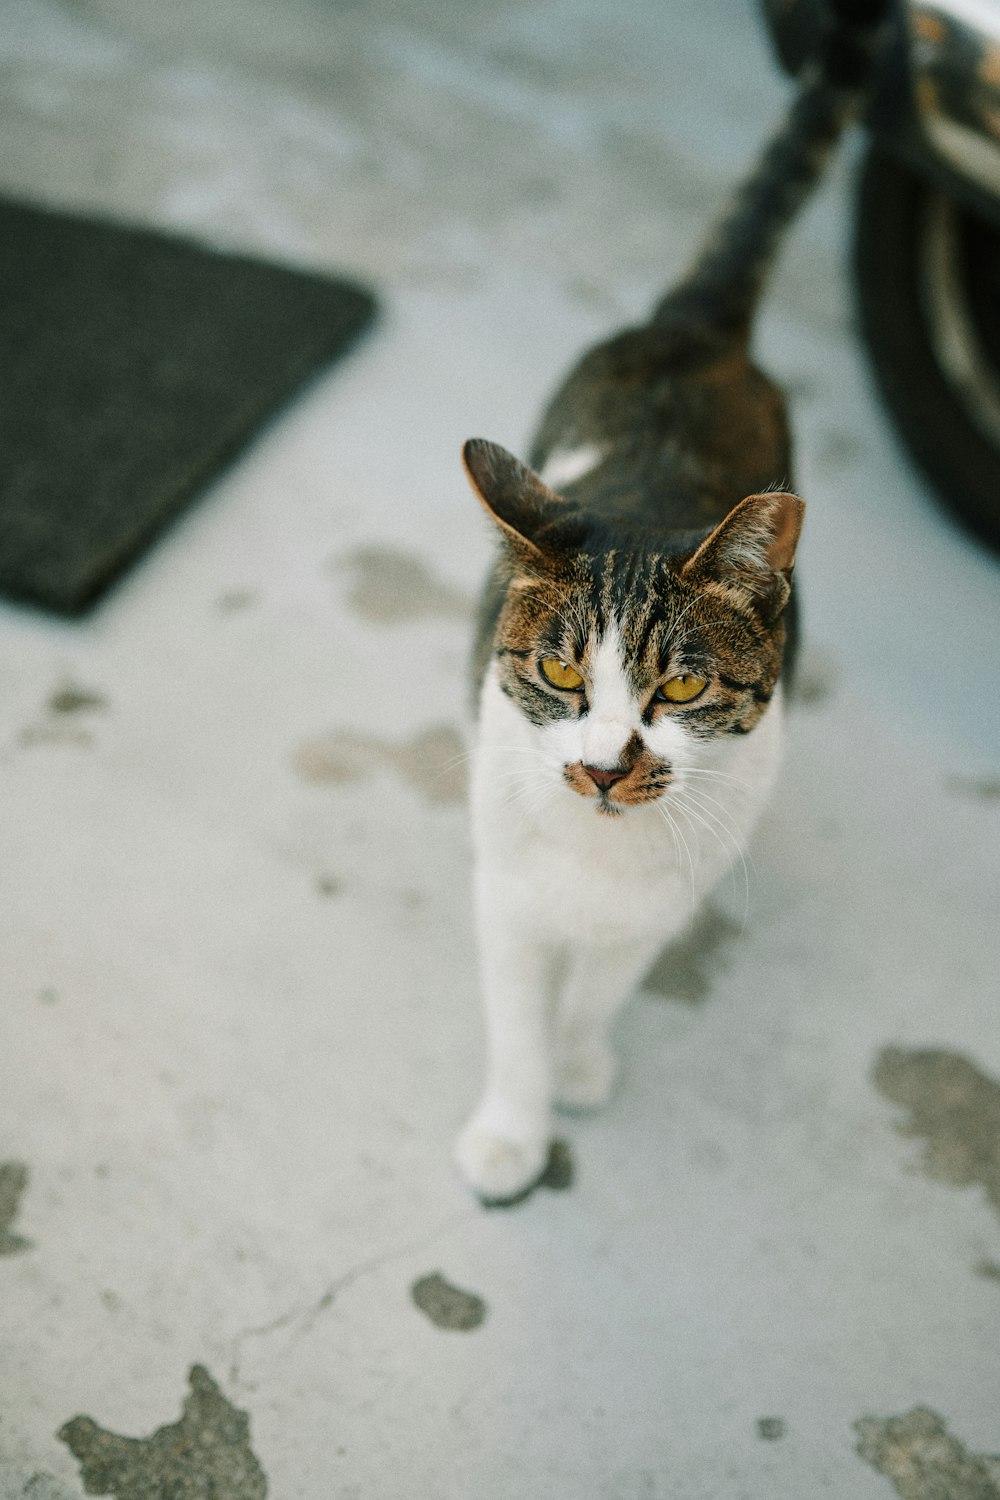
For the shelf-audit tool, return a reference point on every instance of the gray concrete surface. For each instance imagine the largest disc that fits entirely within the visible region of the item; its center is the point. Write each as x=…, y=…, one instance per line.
x=239, y=1016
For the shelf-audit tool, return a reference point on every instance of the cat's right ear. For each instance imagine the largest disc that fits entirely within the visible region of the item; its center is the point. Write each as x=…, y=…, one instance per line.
x=513, y=496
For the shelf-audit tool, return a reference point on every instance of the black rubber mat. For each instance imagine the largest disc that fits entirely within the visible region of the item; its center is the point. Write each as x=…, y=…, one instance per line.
x=133, y=366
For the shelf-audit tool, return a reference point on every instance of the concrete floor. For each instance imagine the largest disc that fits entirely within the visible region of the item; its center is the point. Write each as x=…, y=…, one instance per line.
x=240, y=1022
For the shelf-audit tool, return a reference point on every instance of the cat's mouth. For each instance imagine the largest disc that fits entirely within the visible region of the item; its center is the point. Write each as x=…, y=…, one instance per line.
x=614, y=789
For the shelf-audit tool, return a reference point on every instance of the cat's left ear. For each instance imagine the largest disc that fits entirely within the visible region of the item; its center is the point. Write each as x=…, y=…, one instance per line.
x=752, y=551
x=514, y=496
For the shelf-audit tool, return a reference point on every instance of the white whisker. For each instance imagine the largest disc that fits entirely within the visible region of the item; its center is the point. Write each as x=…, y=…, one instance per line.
x=720, y=775
x=704, y=800
x=666, y=814
x=726, y=840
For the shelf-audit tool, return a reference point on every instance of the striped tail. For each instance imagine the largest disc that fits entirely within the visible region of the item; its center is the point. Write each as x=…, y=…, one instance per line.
x=724, y=284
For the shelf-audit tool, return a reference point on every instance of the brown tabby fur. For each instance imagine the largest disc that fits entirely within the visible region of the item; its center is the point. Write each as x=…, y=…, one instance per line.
x=653, y=536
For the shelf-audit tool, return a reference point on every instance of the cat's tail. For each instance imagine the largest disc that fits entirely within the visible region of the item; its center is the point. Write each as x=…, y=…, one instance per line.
x=723, y=285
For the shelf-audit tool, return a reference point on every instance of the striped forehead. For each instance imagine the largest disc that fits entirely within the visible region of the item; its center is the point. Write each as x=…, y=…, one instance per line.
x=637, y=601
x=623, y=606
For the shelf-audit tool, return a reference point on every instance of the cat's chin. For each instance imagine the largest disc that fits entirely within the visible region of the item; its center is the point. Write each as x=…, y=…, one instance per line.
x=604, y=807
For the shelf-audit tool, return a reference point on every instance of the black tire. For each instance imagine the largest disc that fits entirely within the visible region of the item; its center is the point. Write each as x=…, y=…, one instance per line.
x=927, y=270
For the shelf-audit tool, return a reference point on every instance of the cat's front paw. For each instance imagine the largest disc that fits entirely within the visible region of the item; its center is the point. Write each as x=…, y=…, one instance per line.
x=497, y=1169
x=585, y=1077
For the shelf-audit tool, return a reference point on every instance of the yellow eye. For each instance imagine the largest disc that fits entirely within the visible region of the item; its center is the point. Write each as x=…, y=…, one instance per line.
x=682, y=689
x=560, y=674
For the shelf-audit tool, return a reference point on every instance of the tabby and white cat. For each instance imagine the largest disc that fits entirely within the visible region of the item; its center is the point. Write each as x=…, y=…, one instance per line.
x=635, y=636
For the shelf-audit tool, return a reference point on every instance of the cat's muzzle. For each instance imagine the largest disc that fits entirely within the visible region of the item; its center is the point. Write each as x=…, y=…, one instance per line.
x=613, y=789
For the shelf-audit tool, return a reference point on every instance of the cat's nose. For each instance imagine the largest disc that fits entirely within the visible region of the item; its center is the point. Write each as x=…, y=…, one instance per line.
x=603, y=779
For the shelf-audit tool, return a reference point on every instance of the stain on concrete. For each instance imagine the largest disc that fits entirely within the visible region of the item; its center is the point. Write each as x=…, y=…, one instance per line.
x=59, y=725
x=989, y=1270
x=687, y=969
x=594, y=295
x=205, y=1454
x=51, y=732
x=923, y=1461
x=235, y=600
x=329, y=885
x=432, y=762
x=13, y=1181
x=42, y=1486
x=980, y=788
x=389, y=586
x=446, y=1305
x=70, y=699
x=559, y=1170
x=838, y=447
x=955, y=1109
x=771, y=1429
x=815, y=681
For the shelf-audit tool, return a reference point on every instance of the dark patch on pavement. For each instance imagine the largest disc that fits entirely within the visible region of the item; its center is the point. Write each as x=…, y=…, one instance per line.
x=593, y=295
x=52, y=732
x=922, y=1460
x=390, y=586
x=982, y=788
x=204, y=1456
x=686, y=969
x=235, y=600
x=989, y=1270
x=75, y=700
x=558, y=1174
x=13, y=1181
x=58, y=725
x=329, y=885
x=446, y=1305
x=954, y=1107
x=432, y=762
x=815, y=679
x=42, y=1486
x=771, y=1429
x=838, y=446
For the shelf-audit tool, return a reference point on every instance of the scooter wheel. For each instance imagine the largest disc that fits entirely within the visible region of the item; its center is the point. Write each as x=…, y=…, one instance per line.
x=927, y=270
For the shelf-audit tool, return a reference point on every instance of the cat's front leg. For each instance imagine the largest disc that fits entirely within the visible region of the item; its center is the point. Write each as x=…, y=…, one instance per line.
x=504, y=1147
x=599, y=980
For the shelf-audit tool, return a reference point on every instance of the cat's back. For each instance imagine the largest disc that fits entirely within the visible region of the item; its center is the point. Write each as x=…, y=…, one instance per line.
x=664, y=426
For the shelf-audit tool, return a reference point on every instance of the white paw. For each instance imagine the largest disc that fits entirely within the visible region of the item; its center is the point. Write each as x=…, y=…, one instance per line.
x=498, y=1169
x=585, y=1078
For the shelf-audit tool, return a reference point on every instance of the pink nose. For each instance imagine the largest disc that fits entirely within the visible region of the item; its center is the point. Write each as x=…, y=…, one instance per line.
x=602, y=779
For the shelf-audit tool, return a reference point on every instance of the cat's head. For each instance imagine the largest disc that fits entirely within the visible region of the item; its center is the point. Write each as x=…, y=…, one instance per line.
x=629, y=655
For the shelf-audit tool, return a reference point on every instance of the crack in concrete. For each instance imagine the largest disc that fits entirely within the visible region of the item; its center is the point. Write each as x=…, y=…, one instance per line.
x=302, y=1317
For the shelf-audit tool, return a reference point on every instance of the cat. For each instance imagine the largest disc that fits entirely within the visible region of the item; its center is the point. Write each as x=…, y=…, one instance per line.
x=636, y=641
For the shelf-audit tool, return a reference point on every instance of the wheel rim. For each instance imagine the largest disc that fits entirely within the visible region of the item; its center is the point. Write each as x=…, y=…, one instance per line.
x=954, y=314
